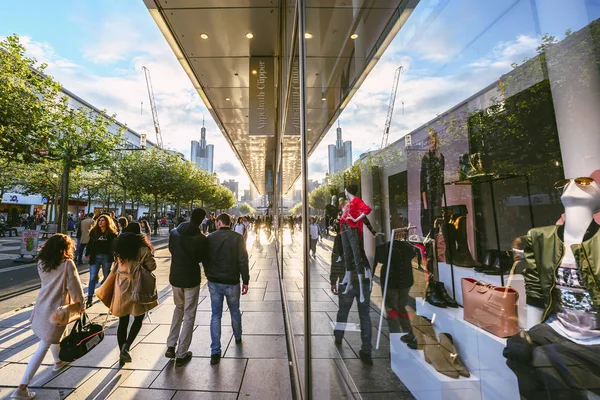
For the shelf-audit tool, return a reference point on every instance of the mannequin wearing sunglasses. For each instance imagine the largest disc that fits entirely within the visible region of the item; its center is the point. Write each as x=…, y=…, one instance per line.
x=559, y=357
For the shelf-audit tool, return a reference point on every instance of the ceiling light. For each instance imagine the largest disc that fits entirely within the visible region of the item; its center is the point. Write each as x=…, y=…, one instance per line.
x=253, y=72
x=249, y=35
x=323, y=98
x=308, y=35
x=204, y=36
x=353, y=36
x=227, y=99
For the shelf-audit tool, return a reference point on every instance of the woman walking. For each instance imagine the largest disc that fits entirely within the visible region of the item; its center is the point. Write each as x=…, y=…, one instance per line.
x=55, y=260
x=100, y=250
x=132, y=249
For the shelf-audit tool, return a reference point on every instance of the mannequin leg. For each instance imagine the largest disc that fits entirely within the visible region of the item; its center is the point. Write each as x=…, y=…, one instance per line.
x=346, y=281
x=360, y=285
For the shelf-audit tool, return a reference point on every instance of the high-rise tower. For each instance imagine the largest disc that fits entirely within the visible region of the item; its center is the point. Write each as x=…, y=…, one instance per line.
x=340, y=153
x=202, y=153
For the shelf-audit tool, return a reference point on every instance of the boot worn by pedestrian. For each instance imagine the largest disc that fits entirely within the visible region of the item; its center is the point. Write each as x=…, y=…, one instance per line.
x=434, y=355
x=441, y=293
x=179, y=362
x=125, y=356
x=215, y=358
x=451, y=355
x=89, y=302
x=365, y=358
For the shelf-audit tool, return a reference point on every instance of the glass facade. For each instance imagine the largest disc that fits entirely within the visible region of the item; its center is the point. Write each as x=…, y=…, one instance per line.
x=479, y=252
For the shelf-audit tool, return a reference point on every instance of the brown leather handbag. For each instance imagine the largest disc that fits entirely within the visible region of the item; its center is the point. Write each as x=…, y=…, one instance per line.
x=69, y=312
x=106, y=292
x=492, y=308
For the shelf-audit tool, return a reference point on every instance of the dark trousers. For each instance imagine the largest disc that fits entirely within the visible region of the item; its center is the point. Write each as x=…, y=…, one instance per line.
x=345, y=305
x=352, y=250
x=549, y=366
x=122, y=336
x=397, y=317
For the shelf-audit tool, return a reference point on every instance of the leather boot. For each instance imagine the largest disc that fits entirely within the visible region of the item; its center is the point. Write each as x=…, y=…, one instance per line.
x=441, y=291
x=432, y=296
x=462, y=255
x=451, y=355
x=125, y=356
x=434, y=355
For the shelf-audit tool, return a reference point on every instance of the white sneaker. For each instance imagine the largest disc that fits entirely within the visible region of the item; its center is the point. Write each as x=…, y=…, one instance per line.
x=60, y=365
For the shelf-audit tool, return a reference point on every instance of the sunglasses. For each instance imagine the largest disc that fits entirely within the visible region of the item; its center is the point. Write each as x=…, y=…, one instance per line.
x=581, y=182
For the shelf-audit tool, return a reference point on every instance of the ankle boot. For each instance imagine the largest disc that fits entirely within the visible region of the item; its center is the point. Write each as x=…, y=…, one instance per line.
x=441, y=292
x=432, y=296
x=451, y=355
x=434, y=355
x=125, y=356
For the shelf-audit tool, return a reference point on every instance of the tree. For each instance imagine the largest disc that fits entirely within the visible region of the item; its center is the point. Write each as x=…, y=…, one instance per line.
x=246, y=209
x=28, y=103
x=296, y=209
x=221, y=198
x=321, y=197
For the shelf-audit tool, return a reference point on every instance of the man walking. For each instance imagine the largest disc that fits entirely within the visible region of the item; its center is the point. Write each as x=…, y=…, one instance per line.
x=85, y=225
x=188, y=249
x=227, y=261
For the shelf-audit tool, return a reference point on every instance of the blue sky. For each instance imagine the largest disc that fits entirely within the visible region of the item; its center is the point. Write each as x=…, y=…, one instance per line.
x=450, y=49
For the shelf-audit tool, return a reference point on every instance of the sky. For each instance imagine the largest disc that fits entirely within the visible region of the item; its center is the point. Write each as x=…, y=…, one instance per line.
x=449, y=50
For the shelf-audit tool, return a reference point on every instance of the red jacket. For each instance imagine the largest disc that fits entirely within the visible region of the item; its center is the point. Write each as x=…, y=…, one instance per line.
x=354, y=208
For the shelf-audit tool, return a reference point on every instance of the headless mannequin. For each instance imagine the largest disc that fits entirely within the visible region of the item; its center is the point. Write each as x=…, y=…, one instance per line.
x=580, y=204
x=347, y=281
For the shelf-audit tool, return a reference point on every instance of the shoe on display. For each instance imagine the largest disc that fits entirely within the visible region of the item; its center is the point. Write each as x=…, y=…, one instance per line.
x=365, y=358
x=433, y=297
x=170, y=353
x=408, y=337
x=451, y=354
x=215, y=358
x=443, y=294
x=179, y=362
x=434, y=355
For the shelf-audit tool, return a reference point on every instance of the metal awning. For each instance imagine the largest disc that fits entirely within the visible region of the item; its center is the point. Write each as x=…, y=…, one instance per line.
x=209, y=38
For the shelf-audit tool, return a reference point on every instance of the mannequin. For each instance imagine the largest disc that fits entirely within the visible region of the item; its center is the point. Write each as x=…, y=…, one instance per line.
x=432, y=182
x=559, y=356
x=351, y=226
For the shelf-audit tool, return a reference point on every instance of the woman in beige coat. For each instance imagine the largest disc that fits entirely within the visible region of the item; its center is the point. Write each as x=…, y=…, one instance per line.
x=132, y=250
x=55, y=260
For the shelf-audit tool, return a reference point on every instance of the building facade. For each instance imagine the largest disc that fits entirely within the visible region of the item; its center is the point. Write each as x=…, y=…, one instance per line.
x=340, y=154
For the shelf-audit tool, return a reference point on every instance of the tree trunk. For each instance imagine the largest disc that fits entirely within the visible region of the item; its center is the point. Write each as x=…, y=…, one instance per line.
x=64, y=198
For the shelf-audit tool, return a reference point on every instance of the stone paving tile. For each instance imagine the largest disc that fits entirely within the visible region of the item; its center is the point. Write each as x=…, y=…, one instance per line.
x=141, y=394
x=189, y=395
x=46, y=394
x=267, y=379
x=200, y=345
x=72, y=377
x=272, y=296
x=258, y=346
x=378, y=378
x=266, y=323
x=11, y=374
x=104, y=355
x=273, y=306
x=101, y=385
x=140, y=379
x=198, y=374
x=324, y=347
x=203, y=318
x=21, y=352
x=10, y=337
x=158, y=335
x=147, y=356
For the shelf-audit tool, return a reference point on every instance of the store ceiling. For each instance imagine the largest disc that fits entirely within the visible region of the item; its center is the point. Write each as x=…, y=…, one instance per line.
x=209, y=39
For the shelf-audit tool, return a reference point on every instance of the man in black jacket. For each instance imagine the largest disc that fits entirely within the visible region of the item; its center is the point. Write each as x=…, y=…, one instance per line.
x=227, y=261
x=188, y=247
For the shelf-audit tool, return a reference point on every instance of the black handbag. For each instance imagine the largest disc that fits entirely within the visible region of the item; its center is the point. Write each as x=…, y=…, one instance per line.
x=83, y=338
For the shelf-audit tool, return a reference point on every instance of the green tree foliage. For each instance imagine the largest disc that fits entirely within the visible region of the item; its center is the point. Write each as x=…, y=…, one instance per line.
x=246, y=209
x=28, y=104
x=321, y=196
x=296, y=209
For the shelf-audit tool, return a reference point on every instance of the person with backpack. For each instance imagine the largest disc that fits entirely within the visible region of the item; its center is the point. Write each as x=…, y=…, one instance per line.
x=240, y=228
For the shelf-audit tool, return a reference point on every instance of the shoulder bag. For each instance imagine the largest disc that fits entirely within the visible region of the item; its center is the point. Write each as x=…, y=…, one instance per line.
x=68, y=312
x=106, y=292
x=144, y=286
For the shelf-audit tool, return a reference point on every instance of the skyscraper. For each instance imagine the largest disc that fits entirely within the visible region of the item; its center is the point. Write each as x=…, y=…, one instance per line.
x=340, y=154
x=202, y=153
x=233, y=186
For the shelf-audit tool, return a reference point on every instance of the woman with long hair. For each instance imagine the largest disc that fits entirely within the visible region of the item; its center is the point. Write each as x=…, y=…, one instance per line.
x=54, y=262
x=145, y=229
x=100, y=249
x=132, y=249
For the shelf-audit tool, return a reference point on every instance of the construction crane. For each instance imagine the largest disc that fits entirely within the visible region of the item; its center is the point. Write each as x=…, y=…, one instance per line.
x=159, y=141
x=388, y=120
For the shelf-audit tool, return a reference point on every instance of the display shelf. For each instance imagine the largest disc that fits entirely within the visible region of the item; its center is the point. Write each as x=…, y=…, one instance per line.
x=517, y=282
x=479, y=350
x=423, y=381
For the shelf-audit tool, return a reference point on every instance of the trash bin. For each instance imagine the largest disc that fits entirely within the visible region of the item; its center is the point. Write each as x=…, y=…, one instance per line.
x=171, y=226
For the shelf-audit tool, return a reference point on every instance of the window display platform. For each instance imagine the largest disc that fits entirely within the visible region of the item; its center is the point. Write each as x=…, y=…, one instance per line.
x=480, y=351
x=517, y=282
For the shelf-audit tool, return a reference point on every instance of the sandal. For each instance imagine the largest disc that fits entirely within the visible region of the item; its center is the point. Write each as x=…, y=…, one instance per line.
x=22, y=394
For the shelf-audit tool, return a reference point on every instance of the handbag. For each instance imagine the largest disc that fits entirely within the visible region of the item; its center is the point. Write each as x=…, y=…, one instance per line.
x=144, y=286
x=82, y=339
x=106, y=292
x=68, y=312
x=491, y=308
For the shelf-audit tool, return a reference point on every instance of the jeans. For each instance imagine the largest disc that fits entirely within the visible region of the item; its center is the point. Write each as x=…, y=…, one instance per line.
x=186, y=304
x=549, y=366
x=352, y=250
x=346, y=301
x=232, y=293
x=34, y=364
x=101, y=260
